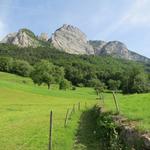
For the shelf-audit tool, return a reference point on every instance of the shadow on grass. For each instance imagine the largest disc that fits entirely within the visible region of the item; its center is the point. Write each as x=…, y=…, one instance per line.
x=86, y=138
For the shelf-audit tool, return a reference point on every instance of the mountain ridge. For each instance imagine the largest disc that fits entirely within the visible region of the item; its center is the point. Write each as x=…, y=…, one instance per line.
x=72, y=40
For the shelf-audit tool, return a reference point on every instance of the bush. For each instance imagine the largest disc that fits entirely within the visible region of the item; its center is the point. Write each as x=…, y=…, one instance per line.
x=64, y=84
x=73, y=88
x=93, y=82
x=114, y=84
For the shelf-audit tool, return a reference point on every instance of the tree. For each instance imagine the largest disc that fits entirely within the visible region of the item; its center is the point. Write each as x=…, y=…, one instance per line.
x=46, y=72
x=114, y=84
x=64, y=84
x=141, y=84
x=59, y=74
x=6, y=64
x=22, y=68
x=93, y=82
x=43, y=73
x=99, y=87
x=135, y=81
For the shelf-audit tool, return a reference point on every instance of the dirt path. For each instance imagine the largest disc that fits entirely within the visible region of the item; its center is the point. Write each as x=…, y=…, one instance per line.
x=86, y=138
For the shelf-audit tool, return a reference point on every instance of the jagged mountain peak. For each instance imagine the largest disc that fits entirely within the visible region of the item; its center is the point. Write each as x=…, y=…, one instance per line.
x=71, y=40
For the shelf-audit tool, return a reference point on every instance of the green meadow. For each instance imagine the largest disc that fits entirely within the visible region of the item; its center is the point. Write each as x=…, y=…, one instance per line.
x=25, y=109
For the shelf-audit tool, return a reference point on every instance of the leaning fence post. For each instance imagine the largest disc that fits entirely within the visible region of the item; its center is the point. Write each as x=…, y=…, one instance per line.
x=66, y=118
x=116, y=103
x=50, y=130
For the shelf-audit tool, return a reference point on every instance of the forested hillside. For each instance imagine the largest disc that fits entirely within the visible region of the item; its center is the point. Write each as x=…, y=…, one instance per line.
x=81, y=70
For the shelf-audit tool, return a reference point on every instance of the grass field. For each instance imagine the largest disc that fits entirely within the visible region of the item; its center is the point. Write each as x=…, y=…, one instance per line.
x=24, y=111
x=135, y=107
x=25, y=108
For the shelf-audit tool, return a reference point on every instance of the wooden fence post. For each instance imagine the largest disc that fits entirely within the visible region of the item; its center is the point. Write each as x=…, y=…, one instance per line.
x=116, y=103
x=79, y=106
x=66, y=118
x=73, y=108
x=102, y=98
x=50, y=130
x=85, y=105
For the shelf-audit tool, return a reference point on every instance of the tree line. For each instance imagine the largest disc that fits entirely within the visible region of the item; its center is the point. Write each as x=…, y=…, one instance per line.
x=48, y=65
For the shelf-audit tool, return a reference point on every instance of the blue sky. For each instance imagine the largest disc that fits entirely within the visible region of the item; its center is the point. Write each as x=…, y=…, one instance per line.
x=124, y=20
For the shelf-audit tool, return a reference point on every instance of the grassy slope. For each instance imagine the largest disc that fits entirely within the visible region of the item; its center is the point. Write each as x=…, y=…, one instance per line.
x=136, y=107
x=24, y=111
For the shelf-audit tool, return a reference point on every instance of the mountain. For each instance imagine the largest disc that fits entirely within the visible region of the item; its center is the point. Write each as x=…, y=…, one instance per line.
x=72, y=40
x=23, y=38
x=116, y=49
x=97, y=46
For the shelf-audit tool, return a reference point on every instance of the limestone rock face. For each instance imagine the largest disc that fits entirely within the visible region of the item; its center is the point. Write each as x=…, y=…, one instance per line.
x=23, y=38
x=71, y=40
x=43, y=37
x=115, y=48
x=97, y=45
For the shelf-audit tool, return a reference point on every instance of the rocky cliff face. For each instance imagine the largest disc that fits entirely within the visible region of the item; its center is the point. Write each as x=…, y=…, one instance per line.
x=97, y=46
x=71, y=40
x=23, y=38
x=43, y=37
x=116, y=49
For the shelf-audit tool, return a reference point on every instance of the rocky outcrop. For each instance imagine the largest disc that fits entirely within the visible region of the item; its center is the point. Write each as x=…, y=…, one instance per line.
x=116, y=49
x=43, y=37
x=97, y=46
x=130, y=135
x=71, y=40
x=23, y=38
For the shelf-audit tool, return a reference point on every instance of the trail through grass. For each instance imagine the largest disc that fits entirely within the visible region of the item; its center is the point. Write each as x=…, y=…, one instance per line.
x=86, y=138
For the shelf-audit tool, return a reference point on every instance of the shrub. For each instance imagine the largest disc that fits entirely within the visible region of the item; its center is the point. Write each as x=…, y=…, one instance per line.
x=64, y=84
x=114, y=84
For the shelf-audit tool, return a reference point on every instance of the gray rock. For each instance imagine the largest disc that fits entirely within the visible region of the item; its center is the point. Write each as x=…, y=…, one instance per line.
x=116, y=49
x=23, y=38
x=97, y=45
x=43, y=37
x=71, y=40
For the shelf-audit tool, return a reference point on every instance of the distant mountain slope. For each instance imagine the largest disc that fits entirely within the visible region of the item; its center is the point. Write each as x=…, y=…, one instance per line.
x=71, y=40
